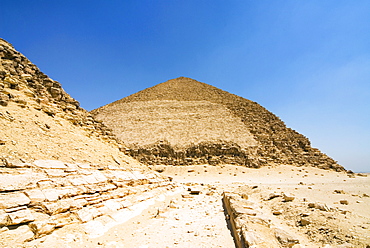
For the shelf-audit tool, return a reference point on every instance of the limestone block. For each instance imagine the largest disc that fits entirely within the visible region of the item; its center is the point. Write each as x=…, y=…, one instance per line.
x=41, y=228
x=64, y=219
x=51, y=194
x=285, y=238
x=90, y=179
x=250, y=238
x=122, y=176
x=26, y=76
x=107, y=187
x=138, y=175
x=55, y=172
x=84, y=166
x=11, y=200
x=61, y=206
x=77, y=181
x=21, y=216
x=4, y=218
x=35, y=195
x=87, y=214
x=78, y=203
x=50, y=164
x=10, y=182
x=113, y=205
x=92, y=188
x=16, y=237
x=100, y=178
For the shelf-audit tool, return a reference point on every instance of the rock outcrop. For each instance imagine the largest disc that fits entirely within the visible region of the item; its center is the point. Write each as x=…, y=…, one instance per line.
x=183, y=121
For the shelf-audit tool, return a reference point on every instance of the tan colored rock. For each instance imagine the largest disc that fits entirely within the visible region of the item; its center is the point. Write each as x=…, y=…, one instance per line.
x=35, y=195
x=4, y=218
x=21, y=216
x=61, y=206
x=50, y=164
x=285, y=239
x=41, y=228
x=287, y=198
x=11, y=200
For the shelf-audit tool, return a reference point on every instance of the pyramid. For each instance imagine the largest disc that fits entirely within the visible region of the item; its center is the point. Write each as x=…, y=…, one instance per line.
x=39, y=120
x=183, y=121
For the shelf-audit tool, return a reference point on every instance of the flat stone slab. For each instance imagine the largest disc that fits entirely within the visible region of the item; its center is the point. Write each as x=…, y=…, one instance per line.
x=11, y=200
x=50, y=164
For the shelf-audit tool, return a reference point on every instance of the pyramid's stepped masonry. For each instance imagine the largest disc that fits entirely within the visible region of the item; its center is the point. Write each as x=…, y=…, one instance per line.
x=39, y=120
x=183, y=121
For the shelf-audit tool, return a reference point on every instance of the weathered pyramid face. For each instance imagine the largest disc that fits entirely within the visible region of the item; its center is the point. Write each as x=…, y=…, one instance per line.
x=183, y=121
x=39, y=120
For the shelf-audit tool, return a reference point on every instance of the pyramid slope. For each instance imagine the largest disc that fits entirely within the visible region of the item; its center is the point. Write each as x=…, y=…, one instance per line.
x=39, y=120
x=267, y=139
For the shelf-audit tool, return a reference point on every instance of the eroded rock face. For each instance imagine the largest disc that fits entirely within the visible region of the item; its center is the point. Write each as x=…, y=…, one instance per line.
x=183, y=121
x=74, y=194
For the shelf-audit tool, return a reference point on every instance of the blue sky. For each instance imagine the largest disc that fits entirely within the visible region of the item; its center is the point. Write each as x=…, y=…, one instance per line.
x=306, y=61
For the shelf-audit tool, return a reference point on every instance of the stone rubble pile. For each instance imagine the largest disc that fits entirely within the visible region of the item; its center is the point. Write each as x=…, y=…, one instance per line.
x=36, y=198
x=22, y=82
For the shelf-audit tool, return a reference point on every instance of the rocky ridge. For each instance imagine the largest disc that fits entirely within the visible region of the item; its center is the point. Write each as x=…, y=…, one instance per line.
x=266, y=138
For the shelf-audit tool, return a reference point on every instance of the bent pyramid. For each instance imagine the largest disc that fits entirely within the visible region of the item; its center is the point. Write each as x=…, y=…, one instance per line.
x=183, y=121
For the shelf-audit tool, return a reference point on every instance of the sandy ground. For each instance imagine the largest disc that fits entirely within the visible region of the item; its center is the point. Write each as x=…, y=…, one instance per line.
x=185, y=220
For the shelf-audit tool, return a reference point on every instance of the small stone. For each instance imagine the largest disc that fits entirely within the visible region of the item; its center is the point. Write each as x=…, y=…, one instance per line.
x=287, y=198
x=339, y=191
x=304, y=222
x=344, y=202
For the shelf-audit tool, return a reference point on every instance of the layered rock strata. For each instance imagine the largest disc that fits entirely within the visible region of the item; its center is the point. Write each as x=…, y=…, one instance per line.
x=37, y=198
x=183, y=121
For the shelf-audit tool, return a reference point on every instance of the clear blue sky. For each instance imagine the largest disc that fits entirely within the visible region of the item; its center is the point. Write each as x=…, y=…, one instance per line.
x=306, y=61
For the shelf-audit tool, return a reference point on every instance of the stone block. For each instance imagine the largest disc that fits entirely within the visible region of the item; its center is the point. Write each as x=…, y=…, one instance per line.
x=113, y=205
x=90, y=179
x=100, y=178
x=4, y=218
x=11, y=182
x=77, y=181
x=61, y=206
x=51, y=194
x=16, y=237
x=21, y=216
x=285, y=238
x=11, y=200
x=35, y=195
x=50, y=164
x=41, y=228
x=87, y=214
x=78, y=203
